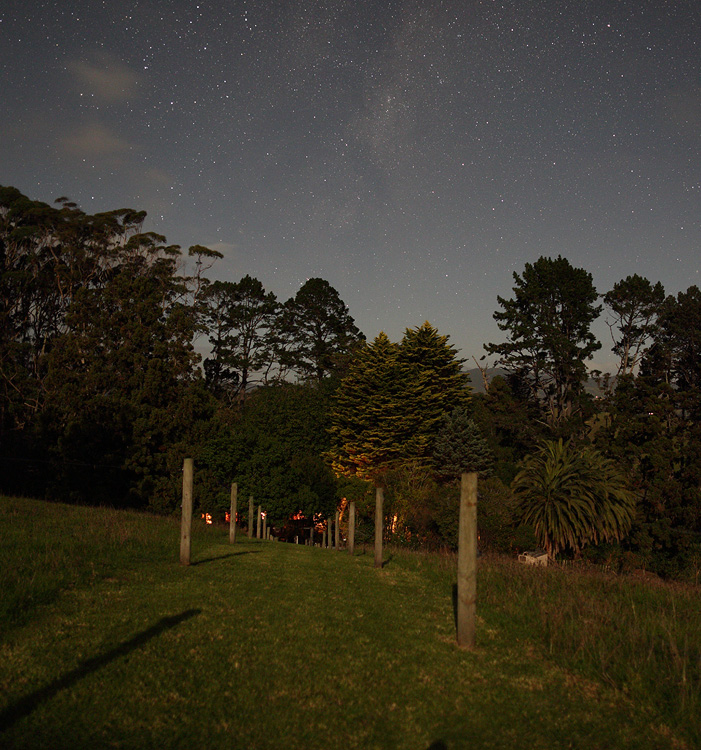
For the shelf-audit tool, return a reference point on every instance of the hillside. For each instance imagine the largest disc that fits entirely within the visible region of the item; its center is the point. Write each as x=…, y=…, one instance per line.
x=477, y=380
x=108, y=642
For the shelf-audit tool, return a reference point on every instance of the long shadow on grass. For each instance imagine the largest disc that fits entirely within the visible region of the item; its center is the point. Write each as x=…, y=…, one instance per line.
x=223, y=557
x=24, y=706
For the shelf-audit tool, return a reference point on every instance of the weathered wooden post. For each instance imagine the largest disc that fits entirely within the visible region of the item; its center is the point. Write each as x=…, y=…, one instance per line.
x=323, y=538
x=250, y=517
x=186, y=521
x=351, y=528
x=329, y=531
x=467, y=560
x=259, y=521
x=265, y=527
x=338, y=532
x=379, y=499
x=232, y=513
x=311, y=534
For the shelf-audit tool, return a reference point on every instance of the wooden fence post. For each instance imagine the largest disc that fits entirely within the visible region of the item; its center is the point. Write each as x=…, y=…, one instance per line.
x=250, y=517
x=265, y=527
x=329, y=532
x=467, y=560
x=311, y=533
x=379, y=499
x=338, y=532
x=232, y=512
x=259, y=521
x=186, y=521
x=351, y=528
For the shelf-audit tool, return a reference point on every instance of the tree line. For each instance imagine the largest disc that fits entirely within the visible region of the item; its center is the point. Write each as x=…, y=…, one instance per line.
x=104, y=392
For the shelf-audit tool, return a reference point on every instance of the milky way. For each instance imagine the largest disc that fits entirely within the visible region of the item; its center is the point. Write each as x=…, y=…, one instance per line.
x=413, y=153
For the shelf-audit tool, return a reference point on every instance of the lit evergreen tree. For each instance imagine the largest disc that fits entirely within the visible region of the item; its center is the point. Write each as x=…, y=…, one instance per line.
x=388, y=407
x=446, y=386
x=375, y=422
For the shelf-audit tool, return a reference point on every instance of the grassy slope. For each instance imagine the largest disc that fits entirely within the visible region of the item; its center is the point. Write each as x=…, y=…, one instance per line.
x=107, y=642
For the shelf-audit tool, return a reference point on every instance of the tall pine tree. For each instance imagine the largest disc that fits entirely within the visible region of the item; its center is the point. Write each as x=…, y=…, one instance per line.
x=317, y=330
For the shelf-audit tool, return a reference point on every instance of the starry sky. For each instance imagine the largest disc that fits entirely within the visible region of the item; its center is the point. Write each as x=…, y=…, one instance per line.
x=414, y=153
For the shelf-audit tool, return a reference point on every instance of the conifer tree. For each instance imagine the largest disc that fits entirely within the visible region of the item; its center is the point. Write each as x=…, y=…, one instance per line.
x=389, y=405
x=549, y=340
x=318, y=331
x=461, y=447
x=375, y=423
x=445, y=386
x=425, y=347
x=634, y=305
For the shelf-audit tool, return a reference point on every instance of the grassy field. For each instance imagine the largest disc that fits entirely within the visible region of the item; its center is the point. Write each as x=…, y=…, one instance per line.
x=106, y=641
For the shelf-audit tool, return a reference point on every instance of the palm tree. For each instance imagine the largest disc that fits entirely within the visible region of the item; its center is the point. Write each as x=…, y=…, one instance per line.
x=572, y=496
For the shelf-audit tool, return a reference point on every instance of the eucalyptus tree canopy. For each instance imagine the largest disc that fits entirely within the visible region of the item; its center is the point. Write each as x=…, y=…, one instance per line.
x=98, y=371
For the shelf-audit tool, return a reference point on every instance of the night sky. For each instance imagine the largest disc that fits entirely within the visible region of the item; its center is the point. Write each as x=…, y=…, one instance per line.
x=414, y=153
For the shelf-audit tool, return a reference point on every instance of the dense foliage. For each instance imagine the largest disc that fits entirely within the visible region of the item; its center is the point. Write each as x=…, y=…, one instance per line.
x=103, y=393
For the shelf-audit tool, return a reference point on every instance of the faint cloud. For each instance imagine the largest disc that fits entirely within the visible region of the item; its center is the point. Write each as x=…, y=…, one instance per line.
x=158, y=177
x=95, y=140
x=107, y=78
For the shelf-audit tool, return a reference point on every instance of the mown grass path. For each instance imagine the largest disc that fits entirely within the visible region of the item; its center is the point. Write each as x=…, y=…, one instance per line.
x=266, y=645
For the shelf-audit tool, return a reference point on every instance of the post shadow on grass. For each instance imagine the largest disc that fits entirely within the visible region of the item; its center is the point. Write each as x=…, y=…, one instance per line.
x=437, y=745
x=223, y=557
x=455, y=605
x=24, y=706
